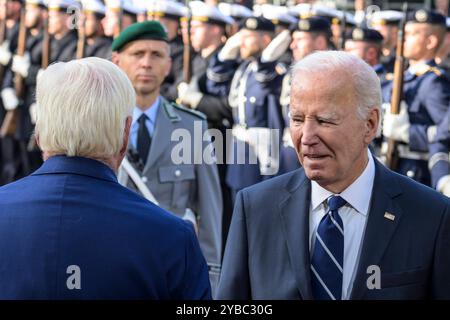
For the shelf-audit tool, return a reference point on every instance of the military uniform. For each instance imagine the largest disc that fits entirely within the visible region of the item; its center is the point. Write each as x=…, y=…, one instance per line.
x=157, y=9
x=9, y=148
x=171, y=159
x=427, y=95
x=169, y=87
x=426, y=92
x=386, y=19
x=258, y=124
x=100, y=48
x=97, y=44
x=34, y=50
x=193, y=185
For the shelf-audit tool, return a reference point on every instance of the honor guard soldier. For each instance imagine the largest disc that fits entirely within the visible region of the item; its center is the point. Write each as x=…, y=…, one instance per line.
x=119, y=15
x=26, y=67
x=386, y=22
x=97, y=44
x=443, y=56
x=366, y=44
x=9, y=44
x=279, y=16
x=308, y=35
x=282, y=21
x=236, y=11
x=426, y=94
x=62, y=28
x=169, y=13
x=254, y=154
x=184, y=182
x=208, y=26
x=9, y=15
x=207, y=36
x=141, y=8
x=335, y=17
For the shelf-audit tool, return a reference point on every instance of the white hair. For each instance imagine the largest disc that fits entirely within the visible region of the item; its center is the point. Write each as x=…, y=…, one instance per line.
x=366, y=84
x=82, y=107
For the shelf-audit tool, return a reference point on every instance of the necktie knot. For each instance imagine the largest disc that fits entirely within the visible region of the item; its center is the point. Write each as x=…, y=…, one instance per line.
x=335, y=202
x=142, y=119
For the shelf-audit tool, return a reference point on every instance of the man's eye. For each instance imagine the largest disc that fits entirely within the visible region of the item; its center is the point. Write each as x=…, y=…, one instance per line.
x=297, y=120
x=326, y=122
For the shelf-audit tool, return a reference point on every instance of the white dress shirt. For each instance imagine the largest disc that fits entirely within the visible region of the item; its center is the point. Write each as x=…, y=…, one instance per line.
x=354, y=217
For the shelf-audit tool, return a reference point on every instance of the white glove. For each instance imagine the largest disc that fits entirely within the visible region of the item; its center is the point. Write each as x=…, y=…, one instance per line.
x=32, y=112
x=230, y=50
x=9, y=97
x=39, y=74
x=189, y=94
x=277, y=47
x=5, y=54
x=21, y=65
x=396, y=126
x=443, y=185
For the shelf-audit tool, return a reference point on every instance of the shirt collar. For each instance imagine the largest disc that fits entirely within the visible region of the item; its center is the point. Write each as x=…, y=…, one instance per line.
x=150, y=112
x=357, y=194
x=378, y=68
x=421, y=66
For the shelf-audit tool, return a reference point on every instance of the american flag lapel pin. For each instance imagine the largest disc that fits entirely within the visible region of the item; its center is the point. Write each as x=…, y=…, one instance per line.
x=389, y=216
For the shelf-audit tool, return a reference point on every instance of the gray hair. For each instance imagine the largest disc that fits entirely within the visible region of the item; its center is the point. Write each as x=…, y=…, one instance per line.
x=82, y=107
x=365, y=80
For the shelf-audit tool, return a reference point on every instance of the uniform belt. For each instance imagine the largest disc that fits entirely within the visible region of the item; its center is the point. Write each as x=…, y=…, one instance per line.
x=405, y=153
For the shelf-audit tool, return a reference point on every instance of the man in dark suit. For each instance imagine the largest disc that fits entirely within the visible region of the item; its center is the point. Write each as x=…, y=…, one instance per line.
x=70, y=230
x=343, y=226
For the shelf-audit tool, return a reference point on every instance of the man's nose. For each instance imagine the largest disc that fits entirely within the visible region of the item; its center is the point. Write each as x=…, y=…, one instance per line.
x=146, y=61
x=309, y=132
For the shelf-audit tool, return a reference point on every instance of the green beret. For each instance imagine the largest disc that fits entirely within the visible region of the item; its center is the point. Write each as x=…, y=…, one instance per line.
x=147, y=30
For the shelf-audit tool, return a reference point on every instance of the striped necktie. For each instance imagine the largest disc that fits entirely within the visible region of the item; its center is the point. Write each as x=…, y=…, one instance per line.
x=328, y=256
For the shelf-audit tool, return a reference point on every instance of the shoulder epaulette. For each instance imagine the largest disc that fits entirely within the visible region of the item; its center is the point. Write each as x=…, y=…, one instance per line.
x=281, y=69
x=437, y=71
x=423, y=69
x=196, y=113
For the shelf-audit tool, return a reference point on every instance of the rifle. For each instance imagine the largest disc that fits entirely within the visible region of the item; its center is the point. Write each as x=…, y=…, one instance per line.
x=187, y=49
x=397, y=89
x=119, y=29
x=81, y=44
x=45, y=61
x=10, y=122
x=343, y=27
x=3, y=28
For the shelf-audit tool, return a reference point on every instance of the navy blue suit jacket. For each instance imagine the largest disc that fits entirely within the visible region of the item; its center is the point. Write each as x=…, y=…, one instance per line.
x=73, y=212
x=267, y=255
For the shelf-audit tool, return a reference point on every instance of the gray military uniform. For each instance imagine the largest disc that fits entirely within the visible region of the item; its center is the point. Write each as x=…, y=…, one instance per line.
x=193, y=184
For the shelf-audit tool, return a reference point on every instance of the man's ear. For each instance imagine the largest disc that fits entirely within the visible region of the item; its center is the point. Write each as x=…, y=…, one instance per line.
x=432, y=42
x=372, y=123
x=115, y=58
x=126, y=135
x=37, y=140
x=266, y=39
x=169, y=66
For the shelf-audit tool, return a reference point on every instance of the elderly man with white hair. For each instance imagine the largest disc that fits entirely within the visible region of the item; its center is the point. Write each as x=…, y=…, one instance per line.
x=70, y=230
x=343, y=226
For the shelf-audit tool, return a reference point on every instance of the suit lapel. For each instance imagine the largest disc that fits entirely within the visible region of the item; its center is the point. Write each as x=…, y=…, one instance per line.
x=294, y=213
x=379, y=229
x=161, y=135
